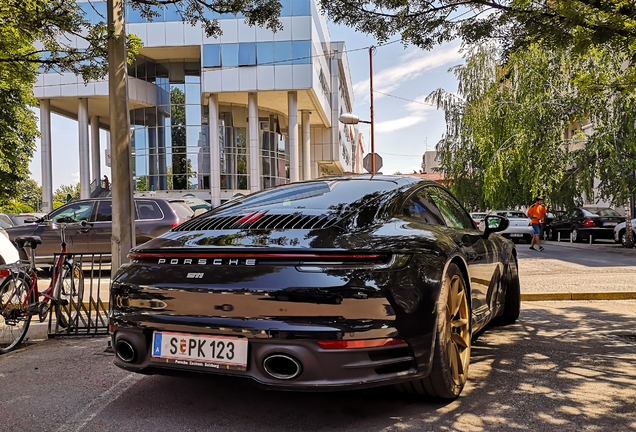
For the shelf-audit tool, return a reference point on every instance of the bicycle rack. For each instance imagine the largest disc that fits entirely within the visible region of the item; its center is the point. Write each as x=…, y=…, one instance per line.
x=88, y=317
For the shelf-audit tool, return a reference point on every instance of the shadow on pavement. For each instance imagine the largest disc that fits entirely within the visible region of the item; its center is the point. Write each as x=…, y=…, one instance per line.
x=561, y=367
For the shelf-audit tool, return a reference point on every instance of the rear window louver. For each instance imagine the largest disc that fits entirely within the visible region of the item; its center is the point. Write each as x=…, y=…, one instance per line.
x=267, y=222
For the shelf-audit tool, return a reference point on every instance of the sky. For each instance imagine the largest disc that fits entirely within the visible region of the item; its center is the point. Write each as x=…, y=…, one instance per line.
x=404, y=129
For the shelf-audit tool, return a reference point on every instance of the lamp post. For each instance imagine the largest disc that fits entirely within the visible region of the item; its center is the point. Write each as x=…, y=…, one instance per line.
x=352, y=119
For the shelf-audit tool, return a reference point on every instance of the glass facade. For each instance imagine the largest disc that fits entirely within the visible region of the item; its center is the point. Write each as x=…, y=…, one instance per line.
x=170, y=141
x=95, y=12
x=257, y=53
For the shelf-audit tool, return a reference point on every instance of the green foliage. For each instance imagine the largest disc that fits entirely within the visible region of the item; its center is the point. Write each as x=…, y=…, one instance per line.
x=16, y=207
x=30, y=193
x=513, y=23
x=506, y=138
x=61, y=194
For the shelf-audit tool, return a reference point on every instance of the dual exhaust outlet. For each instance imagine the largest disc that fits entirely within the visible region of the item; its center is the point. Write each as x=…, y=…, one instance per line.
x=279, y=366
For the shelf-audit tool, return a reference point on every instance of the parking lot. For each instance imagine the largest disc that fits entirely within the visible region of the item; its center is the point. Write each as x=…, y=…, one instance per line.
x=563, y=366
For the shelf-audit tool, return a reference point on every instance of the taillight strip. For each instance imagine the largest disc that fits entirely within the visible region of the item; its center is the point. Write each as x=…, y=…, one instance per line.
x=146, y=255
x=360, y=343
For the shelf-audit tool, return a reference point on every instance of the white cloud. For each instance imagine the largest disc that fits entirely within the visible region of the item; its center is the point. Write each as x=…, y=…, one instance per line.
x=401, y=123
x=407, y=68
x=418, y=114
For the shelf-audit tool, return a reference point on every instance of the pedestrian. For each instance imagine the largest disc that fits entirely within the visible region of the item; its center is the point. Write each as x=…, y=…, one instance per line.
x=536, y=213
x=106, y=185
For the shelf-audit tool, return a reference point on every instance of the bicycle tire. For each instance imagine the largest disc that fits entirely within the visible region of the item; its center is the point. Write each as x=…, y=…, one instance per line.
x=69, y=290
x=14, y=323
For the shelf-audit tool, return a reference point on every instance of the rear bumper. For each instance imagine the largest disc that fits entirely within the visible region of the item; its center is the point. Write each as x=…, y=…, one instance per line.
x=320, y=369
x=598, y=233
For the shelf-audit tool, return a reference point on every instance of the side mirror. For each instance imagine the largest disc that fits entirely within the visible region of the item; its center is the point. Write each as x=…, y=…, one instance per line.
x=494, y=223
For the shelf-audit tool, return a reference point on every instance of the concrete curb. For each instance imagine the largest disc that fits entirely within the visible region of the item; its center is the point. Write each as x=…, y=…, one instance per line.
x=628, y=295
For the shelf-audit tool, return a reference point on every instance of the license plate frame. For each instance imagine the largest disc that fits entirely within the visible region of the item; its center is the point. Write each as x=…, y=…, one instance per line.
x=185, y=349
x=516, y=235
x=610, y=224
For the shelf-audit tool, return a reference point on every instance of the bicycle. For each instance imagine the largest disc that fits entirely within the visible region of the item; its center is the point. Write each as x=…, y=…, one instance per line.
x=20, y=297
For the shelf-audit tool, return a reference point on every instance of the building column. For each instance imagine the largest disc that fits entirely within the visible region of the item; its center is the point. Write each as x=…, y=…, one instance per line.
x=292, y=115
x=47, y=173
x=84, y=155
x=254, y=147
x=215, y=150
x=96, y=161
x=306, y=145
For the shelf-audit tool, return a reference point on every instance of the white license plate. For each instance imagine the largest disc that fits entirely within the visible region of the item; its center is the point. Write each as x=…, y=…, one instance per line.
x=516, y=235
x=610, y=224
x=217, y=352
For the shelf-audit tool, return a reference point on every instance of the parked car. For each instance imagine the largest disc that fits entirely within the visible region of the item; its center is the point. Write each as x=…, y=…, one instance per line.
x=8, y=253
x=478, y=217
x=519, y=228
x=619, y=232
x=582, y=222
x=344, y=282
x=153, y=217
x=6, y=221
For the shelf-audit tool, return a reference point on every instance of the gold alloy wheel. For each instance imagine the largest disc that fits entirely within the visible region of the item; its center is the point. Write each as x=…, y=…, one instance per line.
x=458, y=330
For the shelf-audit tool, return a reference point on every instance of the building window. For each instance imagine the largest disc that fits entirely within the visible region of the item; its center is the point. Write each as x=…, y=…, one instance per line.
x=301, y=52
x=211, y=55
x=301, y=7
x=283, y=54
x=247, y=54
x=265, y=53
x=229, y=55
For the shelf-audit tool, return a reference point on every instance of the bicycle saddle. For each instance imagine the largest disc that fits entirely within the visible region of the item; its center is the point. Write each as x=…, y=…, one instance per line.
x=30, y=241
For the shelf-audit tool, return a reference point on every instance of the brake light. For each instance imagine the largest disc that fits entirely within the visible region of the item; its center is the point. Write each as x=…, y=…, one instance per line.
x=4, y=274
x=358, y=344
x=174, y=225
x=250, y=218
x=589, y=223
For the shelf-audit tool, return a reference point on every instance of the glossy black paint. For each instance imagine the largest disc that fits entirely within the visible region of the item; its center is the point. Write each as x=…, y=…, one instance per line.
x=373, y=271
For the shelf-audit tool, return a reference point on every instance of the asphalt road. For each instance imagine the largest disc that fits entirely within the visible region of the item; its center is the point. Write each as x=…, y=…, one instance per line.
x=565, y=366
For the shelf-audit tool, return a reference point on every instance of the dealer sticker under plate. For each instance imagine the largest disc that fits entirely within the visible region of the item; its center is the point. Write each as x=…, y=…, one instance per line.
x=218, y=352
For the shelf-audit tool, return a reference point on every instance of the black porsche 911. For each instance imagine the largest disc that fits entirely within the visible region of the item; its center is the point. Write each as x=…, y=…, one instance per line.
x=344, y=282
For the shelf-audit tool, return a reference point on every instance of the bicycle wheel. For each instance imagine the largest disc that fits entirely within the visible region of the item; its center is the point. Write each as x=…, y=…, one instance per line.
x=69, y=293
x=14, y=321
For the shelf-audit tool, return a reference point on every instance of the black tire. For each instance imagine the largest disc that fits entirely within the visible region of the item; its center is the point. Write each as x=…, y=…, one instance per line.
x=70, y=294
x=547, y=234
x=452, y=342
x=621, y=237
x=14, y=292
x=512, y=301
x=575, y=235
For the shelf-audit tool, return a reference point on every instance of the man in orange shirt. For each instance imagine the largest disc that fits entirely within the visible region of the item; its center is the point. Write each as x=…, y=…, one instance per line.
x=536, y=213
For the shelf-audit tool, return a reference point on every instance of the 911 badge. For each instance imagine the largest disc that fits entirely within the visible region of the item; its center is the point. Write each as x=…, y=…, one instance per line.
x=194, y=276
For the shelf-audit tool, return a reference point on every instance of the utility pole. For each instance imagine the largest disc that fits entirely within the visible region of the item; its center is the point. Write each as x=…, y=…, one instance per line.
x=123, y=237
x=371, y=49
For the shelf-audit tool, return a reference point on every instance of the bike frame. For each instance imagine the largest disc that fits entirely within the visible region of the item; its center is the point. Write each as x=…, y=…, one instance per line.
x=32, y=274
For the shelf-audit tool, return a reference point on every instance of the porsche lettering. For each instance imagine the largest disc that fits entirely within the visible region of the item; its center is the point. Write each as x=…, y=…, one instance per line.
x=211, y=261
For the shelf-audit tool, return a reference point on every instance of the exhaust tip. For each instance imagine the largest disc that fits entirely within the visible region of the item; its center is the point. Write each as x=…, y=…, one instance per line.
x=282, y=366
x=125, y=351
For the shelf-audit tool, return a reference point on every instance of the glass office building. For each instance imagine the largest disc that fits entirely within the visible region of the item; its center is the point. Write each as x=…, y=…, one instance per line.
x=217, y=117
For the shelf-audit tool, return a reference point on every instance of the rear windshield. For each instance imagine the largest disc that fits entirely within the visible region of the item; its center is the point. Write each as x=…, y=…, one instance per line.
x=5, y=222
x=182, y=210
x=316, y=195
x=512, y=214
x=601, y=212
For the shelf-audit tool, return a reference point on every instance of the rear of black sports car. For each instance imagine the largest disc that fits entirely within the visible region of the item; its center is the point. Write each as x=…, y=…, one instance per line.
x=286, y=290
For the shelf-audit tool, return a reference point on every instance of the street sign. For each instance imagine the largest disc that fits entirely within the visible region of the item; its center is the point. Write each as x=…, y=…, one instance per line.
x=366, y=162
